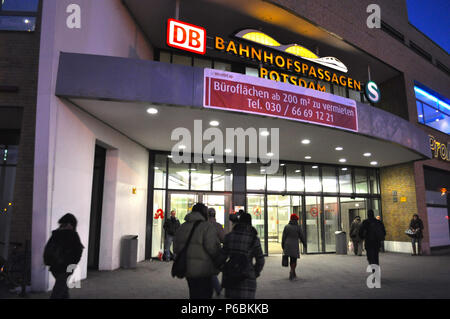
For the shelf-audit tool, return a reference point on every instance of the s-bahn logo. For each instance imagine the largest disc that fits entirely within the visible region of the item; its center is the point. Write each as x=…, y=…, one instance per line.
x=186, y=36
x=372, y=92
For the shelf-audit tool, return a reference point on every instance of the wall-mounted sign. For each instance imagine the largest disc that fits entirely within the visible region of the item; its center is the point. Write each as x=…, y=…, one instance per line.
x=403, y=199
x=186, y=36
x=440, y=150
x=159, y=214
x=296, y=68
x=372, y=92
x=243, y=93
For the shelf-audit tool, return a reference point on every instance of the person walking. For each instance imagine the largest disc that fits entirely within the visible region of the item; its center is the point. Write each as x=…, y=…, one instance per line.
x=416, y=225
x=171, y=226
x=241, y=246
x=63, y=249
x=204, y=248
x=354, y=235
x=292, y=235
x=372, y=231
x=221, y=233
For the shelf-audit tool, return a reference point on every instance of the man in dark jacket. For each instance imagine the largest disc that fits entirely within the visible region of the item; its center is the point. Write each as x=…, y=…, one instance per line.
x=171, y=226
x=63, y=249
x=416, y=225
x=354, y=235
x=373, y=232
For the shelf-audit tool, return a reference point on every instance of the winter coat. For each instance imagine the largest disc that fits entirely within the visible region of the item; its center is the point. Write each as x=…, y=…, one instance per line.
x=354, y=231
x=64, y=248
x=203, y=248
x=417, y=224
x=292, y=233
x=219, y=228
x=171, y=226
x=244, y=239
x=367, y=232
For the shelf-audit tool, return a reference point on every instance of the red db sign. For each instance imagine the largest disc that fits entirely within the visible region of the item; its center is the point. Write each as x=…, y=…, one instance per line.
x=185, y=36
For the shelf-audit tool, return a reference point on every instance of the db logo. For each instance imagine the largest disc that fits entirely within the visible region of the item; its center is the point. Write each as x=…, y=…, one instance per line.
x=185, y=36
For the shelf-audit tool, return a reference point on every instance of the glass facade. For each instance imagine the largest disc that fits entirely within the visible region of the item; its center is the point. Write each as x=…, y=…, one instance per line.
x=432, y=111
x=326, y=198
x=18, y=15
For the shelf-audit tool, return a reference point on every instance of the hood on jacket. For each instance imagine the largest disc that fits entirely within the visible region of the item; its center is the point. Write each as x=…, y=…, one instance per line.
x=293, y=222
x=194, y=216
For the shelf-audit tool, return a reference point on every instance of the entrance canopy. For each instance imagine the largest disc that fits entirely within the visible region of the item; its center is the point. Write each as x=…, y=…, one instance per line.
x=119, y=91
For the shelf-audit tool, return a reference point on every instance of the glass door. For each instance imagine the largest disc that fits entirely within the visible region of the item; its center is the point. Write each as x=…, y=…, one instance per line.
x=279, y=210
x=182, y=204
x=255, y=207
x=313, y=223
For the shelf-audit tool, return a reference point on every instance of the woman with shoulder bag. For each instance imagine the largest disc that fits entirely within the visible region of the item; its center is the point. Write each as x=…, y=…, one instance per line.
x=292, y=234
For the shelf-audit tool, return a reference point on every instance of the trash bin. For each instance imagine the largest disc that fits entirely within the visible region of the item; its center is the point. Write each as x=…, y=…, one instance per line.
x=129, y=251
x=341, y=243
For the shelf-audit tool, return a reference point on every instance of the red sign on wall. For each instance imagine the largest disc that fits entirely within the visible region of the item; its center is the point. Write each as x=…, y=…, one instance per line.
x=243, y=93
x=186, y=36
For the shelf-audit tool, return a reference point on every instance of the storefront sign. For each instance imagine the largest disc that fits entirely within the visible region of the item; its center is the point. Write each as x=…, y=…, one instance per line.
x=372, y=92
x=440, y=150
x=314, y=212
x=185, y=36
x=242, y=93
x=295, y=67
x=159, y=214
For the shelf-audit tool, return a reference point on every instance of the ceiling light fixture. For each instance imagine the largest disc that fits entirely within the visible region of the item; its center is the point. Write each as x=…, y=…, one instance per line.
x=306, y=141
x=214, y=123
x=152, y=111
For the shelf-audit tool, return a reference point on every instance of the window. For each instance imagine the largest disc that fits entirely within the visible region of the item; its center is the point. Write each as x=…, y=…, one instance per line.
x=329, y=180
x=160, y=171
x=392, y=32
x=18, y=15
x=222, y=177
x=312, y=180
x=256, y=178
x=295, y=181
x=432, y=110
x=345, y=180
x=424, y=54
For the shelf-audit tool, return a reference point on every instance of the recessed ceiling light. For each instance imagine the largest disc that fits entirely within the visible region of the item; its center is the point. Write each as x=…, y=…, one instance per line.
x=27, y=21
x=367, y=154
x=306, y=141
x=339, y=148
x=344, y=169
x=227, y=150
x=374, y=163
x=270, y=154
x=357, y=205
x=342, y=160
x=265, y=133
x=210, y=159
x=263, y=170
x=156, y=167
x=152, y=111
x=315, y=166
x=182, y=147
x=297, y=171
x=282, y=164
x=437, y=120
x=420, y=115
x=228, y=170
x=248, y=162
x=169, y=156
x=308, y=157
x=193, y=169
x=214, y=123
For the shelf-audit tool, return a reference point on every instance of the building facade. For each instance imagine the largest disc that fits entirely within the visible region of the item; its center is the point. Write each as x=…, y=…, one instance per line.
x=92, y=94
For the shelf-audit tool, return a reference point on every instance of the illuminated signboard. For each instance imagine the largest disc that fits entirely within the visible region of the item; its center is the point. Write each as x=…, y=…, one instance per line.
x=247, y=94
x=281, y=63
x=440, y=150
x=186, y=36
x=372, y=92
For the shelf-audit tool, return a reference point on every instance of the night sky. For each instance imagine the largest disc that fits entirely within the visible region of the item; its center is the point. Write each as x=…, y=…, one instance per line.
x=431, y=17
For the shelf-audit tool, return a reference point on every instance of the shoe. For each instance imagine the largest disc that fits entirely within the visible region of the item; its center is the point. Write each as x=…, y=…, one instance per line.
x=413, y=254
x=291, y=277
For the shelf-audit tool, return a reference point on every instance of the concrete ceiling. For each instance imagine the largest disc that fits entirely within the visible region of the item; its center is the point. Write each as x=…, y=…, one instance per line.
x=154, y=132
x=225, y=18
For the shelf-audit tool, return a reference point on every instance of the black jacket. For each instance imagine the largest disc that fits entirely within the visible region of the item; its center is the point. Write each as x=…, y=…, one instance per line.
x=171, y=226
x=64, y=248
x=417, y=224
x=368, y=231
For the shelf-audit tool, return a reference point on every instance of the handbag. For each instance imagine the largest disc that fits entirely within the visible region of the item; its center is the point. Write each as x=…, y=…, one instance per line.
x=410, y=232
x=179, y=266
x=284, y=261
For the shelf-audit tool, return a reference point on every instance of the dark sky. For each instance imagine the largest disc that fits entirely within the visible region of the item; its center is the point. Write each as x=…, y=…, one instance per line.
x=432, y=17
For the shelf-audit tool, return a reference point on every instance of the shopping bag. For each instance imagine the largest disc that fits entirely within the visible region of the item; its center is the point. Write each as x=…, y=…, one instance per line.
x=284, y=261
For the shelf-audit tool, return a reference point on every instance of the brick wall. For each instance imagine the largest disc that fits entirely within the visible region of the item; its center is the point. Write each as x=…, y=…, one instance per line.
x=397, y=215
x=19, y=58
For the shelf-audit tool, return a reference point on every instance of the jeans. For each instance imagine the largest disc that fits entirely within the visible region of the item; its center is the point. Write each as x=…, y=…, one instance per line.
x=373, y=250
x=200, y=288
x=415, y=240
x=167, y=243
x=60, y=289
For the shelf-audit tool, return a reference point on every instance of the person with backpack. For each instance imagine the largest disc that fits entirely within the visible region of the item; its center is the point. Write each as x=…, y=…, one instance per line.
x=241, y=246
x=171, y=226
x=372, y=231
x=354, y=235
x=292, y=235
x=416, y=225
x=64, y=248
x=202, y=249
